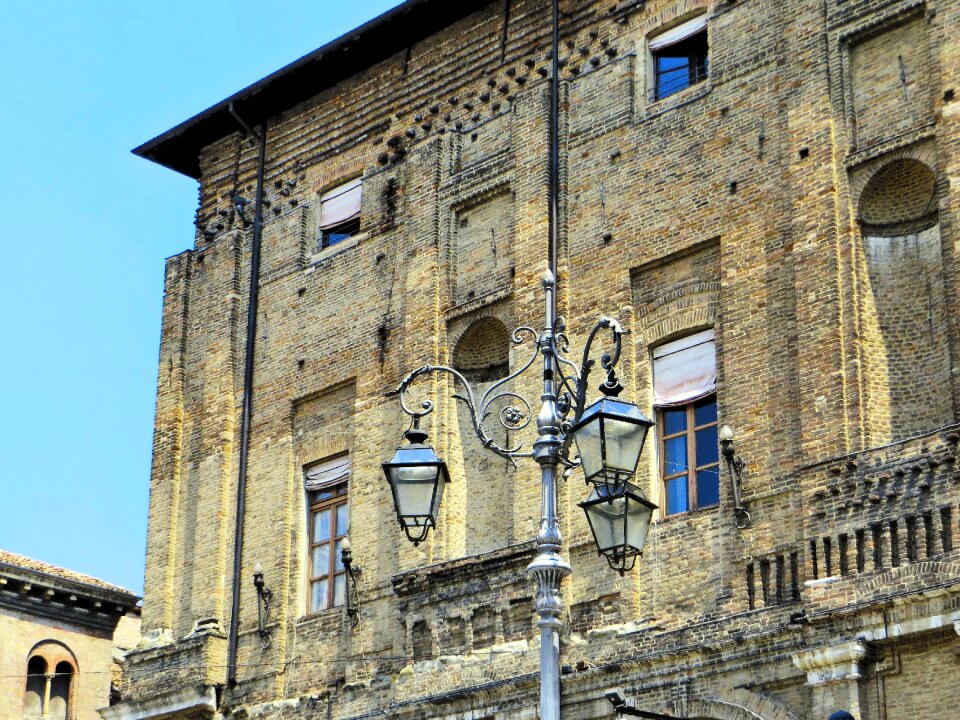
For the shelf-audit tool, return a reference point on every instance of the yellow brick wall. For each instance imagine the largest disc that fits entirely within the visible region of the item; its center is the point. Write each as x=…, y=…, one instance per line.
x=733, y=205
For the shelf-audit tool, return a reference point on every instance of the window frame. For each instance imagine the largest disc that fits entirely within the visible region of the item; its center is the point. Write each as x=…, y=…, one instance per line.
x=339, y=496
x=695, y=62
x=343, y=232
x=692, y=469
x=346, y=229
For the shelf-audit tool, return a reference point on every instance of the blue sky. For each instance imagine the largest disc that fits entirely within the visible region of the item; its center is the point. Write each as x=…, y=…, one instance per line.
x=88, y=227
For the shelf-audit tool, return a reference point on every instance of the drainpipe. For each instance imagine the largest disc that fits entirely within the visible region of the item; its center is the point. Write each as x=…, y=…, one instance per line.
x=247, y=404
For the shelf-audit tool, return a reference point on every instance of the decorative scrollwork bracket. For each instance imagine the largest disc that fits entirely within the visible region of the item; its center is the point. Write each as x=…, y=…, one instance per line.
x=515, y=412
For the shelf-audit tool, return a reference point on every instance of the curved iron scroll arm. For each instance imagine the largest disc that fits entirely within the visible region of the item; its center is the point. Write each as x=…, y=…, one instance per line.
x=517, y=415
x=576, y=385
x=574, y=394
x=514, y=416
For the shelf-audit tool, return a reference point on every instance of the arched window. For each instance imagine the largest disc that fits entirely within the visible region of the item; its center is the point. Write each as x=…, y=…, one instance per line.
x=49, y=689
x=34, y=692
x=909, y=362
x=60, y=692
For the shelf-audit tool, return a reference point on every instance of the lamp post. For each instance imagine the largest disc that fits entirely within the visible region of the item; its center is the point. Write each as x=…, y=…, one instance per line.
x=609, y=436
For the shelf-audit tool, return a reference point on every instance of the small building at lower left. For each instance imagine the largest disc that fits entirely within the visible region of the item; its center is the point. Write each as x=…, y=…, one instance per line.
x=62, y=635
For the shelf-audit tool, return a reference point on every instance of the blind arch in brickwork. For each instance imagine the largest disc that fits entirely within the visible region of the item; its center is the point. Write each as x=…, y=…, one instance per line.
x=905, y=304
x=482, y=353
x=899, y=198
x=740, y=704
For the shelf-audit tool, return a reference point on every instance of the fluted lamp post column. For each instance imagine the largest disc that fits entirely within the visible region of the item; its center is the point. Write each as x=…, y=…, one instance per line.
x=609, y=436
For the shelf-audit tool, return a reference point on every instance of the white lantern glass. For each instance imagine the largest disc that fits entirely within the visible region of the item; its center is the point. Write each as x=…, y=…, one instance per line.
x=610, y=435
x=417, y=478
x=619, y=518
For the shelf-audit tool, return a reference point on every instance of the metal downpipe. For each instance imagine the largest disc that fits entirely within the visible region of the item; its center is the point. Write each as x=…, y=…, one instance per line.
x=252, y=305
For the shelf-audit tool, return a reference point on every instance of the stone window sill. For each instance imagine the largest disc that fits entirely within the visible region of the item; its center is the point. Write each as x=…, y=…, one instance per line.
x=340, y=247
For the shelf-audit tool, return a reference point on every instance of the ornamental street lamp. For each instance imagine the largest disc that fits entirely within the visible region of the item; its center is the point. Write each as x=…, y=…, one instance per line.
x=619, y=518
x=417, y=478
x=609, y=436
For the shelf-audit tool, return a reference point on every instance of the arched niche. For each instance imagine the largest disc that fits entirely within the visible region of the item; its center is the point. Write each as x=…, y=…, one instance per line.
x=481, y=354
x=905, y=312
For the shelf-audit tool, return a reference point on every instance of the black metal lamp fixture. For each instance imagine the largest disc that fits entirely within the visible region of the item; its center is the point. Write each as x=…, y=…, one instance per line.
x=417, y=478
x=264, y=595
x=735, y=466
x=353, y=572
x=610, y=436
x=619, y=518
x=625, y=708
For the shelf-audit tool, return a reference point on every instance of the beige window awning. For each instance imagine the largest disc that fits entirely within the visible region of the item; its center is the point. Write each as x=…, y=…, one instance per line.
x=340, y=204
x=325, y=474
x=685, y=369
x=679, y=33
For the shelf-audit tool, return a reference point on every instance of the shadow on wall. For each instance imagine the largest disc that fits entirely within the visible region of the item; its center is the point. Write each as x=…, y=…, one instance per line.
x=907, y=346
x=483, y=356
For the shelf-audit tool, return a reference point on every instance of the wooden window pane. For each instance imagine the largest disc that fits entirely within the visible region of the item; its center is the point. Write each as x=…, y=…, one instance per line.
x=321, y=560
x=321, y=526
x=339, y=590
x=708, y=487
x=674, y=421
x=675, y=455
x=678, y=500
x=343, y=519
x=318, y=595
x=708, y=447
x=705, y=411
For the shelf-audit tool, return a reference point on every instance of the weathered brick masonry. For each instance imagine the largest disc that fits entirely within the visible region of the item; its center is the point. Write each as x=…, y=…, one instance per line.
x=800, y=201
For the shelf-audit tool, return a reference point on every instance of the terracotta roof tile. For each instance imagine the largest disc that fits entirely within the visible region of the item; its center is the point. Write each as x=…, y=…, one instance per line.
x=20, y=561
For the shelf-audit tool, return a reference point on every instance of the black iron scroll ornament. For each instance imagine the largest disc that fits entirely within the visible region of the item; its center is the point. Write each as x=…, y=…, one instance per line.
x=514, y=411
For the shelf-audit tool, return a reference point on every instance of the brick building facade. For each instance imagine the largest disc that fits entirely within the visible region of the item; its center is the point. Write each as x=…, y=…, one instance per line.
x=771, y=181
x=62, y=635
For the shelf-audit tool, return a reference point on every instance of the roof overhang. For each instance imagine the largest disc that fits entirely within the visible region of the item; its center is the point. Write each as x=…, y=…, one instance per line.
x=384, y=36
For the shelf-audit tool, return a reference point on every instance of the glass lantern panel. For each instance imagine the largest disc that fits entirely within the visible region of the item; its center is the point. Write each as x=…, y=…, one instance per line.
x=623, y=442
x=708, y=487
x=607, y=518
x=588, y=445
x=321, y=526
x=638, y=523
x=438, y=495
x=414, y=488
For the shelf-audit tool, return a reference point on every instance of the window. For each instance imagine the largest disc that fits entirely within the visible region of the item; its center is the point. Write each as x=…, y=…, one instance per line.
x=50, y=673
x=340, y=213
x=684, y=380
x=326, y=485
x=679, y=57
